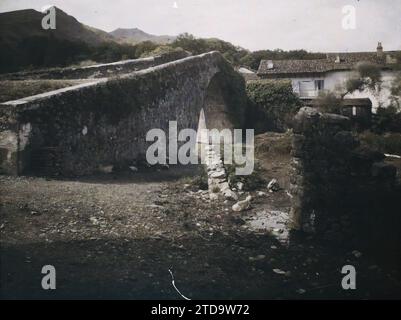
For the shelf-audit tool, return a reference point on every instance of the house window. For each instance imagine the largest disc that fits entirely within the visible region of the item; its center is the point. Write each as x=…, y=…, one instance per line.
x=306, y=88
x=354, y=111
x=319, y=85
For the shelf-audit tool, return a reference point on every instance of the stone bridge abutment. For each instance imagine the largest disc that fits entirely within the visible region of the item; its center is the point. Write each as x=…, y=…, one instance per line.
x=342, y=191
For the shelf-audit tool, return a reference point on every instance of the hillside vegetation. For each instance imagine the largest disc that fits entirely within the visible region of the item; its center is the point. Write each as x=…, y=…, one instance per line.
x=135, y=35
x=25, y=45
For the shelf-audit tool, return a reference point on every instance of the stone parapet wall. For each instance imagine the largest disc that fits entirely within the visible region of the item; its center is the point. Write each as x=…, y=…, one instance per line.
x=340, y=191
x=98, y=70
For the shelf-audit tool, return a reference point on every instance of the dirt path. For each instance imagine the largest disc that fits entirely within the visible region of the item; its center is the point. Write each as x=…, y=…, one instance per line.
x=116, y=236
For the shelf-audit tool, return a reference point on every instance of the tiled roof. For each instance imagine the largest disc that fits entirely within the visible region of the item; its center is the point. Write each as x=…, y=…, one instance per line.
x=333, y=62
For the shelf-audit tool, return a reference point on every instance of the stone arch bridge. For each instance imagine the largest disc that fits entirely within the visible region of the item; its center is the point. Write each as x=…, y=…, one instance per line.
x=74, y=130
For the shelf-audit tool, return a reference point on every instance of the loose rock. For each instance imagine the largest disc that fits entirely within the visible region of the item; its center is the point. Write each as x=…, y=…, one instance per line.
x=242, y=205
x=273, y=186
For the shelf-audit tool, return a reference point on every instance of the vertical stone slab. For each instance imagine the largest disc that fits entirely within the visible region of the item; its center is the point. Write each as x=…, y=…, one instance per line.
x=334, y=181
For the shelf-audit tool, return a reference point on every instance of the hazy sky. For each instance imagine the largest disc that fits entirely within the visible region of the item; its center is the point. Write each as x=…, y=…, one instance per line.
x=315, y=25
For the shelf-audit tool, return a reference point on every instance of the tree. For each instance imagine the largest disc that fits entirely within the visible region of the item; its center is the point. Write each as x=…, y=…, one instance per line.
x=368, y=76
x=396, y=92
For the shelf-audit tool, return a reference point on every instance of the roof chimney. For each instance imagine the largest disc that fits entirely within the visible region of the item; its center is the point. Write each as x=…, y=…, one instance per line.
x=379, y=50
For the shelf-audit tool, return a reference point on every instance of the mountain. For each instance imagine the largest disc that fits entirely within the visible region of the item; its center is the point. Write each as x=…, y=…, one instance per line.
x=15, y=26
x=136, y=35
x=25, y=44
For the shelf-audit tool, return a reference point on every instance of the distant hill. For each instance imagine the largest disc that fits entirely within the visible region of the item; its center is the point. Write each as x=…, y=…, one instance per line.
x=135, y=35
x=15, y=26
x=24, y=43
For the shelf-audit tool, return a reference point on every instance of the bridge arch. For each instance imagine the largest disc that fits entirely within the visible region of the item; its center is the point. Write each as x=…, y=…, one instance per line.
x=105, y=122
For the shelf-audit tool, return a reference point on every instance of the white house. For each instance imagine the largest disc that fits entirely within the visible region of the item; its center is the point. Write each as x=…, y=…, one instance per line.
x=310, y=77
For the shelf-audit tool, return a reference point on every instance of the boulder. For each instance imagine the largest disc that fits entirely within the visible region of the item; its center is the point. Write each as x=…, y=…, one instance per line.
x=230, y=195
x=242, y=205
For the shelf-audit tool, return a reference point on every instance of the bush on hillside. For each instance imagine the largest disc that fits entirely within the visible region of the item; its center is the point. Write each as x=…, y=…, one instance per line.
x=272, y=105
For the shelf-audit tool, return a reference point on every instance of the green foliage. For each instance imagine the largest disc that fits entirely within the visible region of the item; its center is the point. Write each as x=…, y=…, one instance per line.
x=251, y=182
x=396, y=86
x=200, y=181
x=328, y=102
x=369, y=70
x=13, y=90
x=387, y=119
x=110, y=52
x=395, y=90
x=354, y=84
x=274, y=143
x=42, y=52
x=237, y=55
x=271, y=92
x=198, y=45
x=160, y=51
x=368, y=76
x=272, y=105
x=143, y=48
x=386, y=143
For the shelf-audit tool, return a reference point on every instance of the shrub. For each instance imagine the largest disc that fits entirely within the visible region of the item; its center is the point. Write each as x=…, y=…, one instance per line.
x=387, y=119
x=396, y=91
x=328, y=102
x=161, y=50
x=386, y=143
x=198, y=45
x=274, y=143
x=272, y=105
x=13, y=90
x=251, y=182
x=200, y=181
x=368, y=76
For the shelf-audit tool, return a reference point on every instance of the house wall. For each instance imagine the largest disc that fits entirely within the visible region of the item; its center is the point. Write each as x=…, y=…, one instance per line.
x=334, y=81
